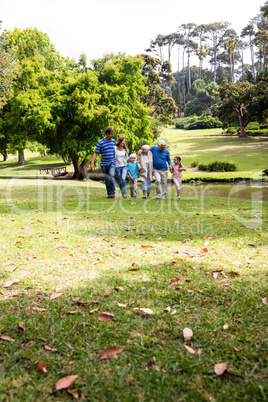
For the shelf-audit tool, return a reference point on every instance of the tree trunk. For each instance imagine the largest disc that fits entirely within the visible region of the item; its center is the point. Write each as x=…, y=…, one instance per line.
x=21, y=159
x=5, y=156
x=80, y=169
x=243, y=126
x=179, y=84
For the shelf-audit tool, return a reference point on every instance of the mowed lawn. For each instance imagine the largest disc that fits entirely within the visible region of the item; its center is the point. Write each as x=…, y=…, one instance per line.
x=80, y=274
x=250, y=153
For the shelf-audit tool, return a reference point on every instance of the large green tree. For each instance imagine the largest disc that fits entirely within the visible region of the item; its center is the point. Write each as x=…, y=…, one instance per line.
x=84, y=103
x=35, y=56
x=237, y=100
x=8, y=70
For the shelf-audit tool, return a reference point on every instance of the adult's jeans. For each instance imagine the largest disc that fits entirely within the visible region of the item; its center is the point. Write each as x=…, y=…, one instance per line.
x=109, y=173
x=146, y=185
x=121, y=173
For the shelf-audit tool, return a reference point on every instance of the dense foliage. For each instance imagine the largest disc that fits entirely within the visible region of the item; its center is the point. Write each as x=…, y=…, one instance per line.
x=200, y=122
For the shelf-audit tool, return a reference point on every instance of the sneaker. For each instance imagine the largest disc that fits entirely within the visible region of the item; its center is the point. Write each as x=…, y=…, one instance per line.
x=158, y=196
x=164, y=197
x=178, y=198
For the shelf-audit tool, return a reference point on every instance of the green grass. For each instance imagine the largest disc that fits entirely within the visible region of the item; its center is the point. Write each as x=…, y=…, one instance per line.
x=67, y=237
x=250, y=153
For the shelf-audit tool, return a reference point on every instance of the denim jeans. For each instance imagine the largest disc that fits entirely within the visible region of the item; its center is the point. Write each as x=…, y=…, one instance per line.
x=146, y=185
x=108, y=173
x=121, y=173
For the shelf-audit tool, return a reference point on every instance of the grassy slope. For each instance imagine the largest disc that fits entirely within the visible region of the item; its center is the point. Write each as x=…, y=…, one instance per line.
x=250, y=153
x=67, y=237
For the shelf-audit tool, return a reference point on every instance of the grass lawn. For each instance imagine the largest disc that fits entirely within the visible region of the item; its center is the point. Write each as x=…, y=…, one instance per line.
x=250, y=153
x=73, y=254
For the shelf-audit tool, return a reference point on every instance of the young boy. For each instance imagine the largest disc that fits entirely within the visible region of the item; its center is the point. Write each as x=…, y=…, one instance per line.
x=133, y=172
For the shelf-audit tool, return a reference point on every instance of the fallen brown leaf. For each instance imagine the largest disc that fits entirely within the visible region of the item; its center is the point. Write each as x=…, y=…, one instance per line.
x=264, y=300
x=72, y=312
x=74, y=394
x=205, y=250
x=10, y=283
x=21, y=325
x=105, y=316
x=144, y=310
x=39, y=309
x=233, y=273
x=93, y=311
x=106, y=293
x=41, y=366
x=155, y=263
x=147, y=246
x=51, y=349
x=192, y=351
x=65, y=382
x=111, y=352
x=7, y=338
x=55, y=295
x=225, y=326
x=220, y=368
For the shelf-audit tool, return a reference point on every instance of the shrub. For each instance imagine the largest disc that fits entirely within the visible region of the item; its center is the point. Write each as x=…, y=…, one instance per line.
x=217, y=166
x=198, y=122
x=202, y=167
x=194, y=164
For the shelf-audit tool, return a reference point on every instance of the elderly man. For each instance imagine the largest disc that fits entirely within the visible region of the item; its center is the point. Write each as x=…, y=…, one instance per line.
x=161, y=157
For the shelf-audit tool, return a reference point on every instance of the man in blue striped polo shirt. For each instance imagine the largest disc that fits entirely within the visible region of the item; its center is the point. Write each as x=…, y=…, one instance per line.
x=106, y=148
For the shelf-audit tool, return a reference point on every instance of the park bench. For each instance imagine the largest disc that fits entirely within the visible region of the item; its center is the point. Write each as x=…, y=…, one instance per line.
x=54, y=171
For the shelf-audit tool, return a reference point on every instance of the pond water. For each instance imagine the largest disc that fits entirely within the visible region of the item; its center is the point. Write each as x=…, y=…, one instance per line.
x=251, y=191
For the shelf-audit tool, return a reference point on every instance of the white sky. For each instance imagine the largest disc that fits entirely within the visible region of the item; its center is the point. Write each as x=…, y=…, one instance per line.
x=96, y=27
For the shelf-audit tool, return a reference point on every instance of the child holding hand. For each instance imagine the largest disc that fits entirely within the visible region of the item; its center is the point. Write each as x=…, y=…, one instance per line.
x=133, y=172
x=176, y=170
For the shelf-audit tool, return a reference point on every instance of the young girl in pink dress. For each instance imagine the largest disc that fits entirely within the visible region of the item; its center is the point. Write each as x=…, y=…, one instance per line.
x=177, y=168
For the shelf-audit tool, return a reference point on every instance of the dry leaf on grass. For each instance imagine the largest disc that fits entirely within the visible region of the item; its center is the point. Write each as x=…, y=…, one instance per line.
x=93, y=311
x=121, y=305
x=6, y=338
x=21, y=325
x=264, y=300
x=74, y=394
x=10, y=283
x=225, y=326
x=72, y=312
x=155, y=263
x=147, y=246
x=187, y=334
x=39, y=309
x=220, y=368
x=191, y=350
x=205, y=250
x=168, y=309
x=144, y=310
x=233, y=273
x=65, y=382
x=110, y=352
x=51, y=349
x=41, y=366
x=200, y=351
x=106, y=293
x=105, y=316
x=55, y=295
x=174, y=281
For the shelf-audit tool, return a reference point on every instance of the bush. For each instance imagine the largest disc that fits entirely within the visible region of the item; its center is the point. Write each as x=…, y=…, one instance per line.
x=203, y=167
x=194, y=164
x=217, y=166
x=198, y=122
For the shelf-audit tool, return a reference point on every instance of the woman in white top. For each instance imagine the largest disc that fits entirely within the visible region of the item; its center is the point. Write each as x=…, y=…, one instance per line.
x=121, y=157
x=145, y=159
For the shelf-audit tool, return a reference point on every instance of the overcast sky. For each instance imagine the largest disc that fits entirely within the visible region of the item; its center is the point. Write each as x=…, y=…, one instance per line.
x=96, y=27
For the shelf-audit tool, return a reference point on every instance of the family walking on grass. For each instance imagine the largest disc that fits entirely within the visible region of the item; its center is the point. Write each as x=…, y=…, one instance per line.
x=151, y=162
